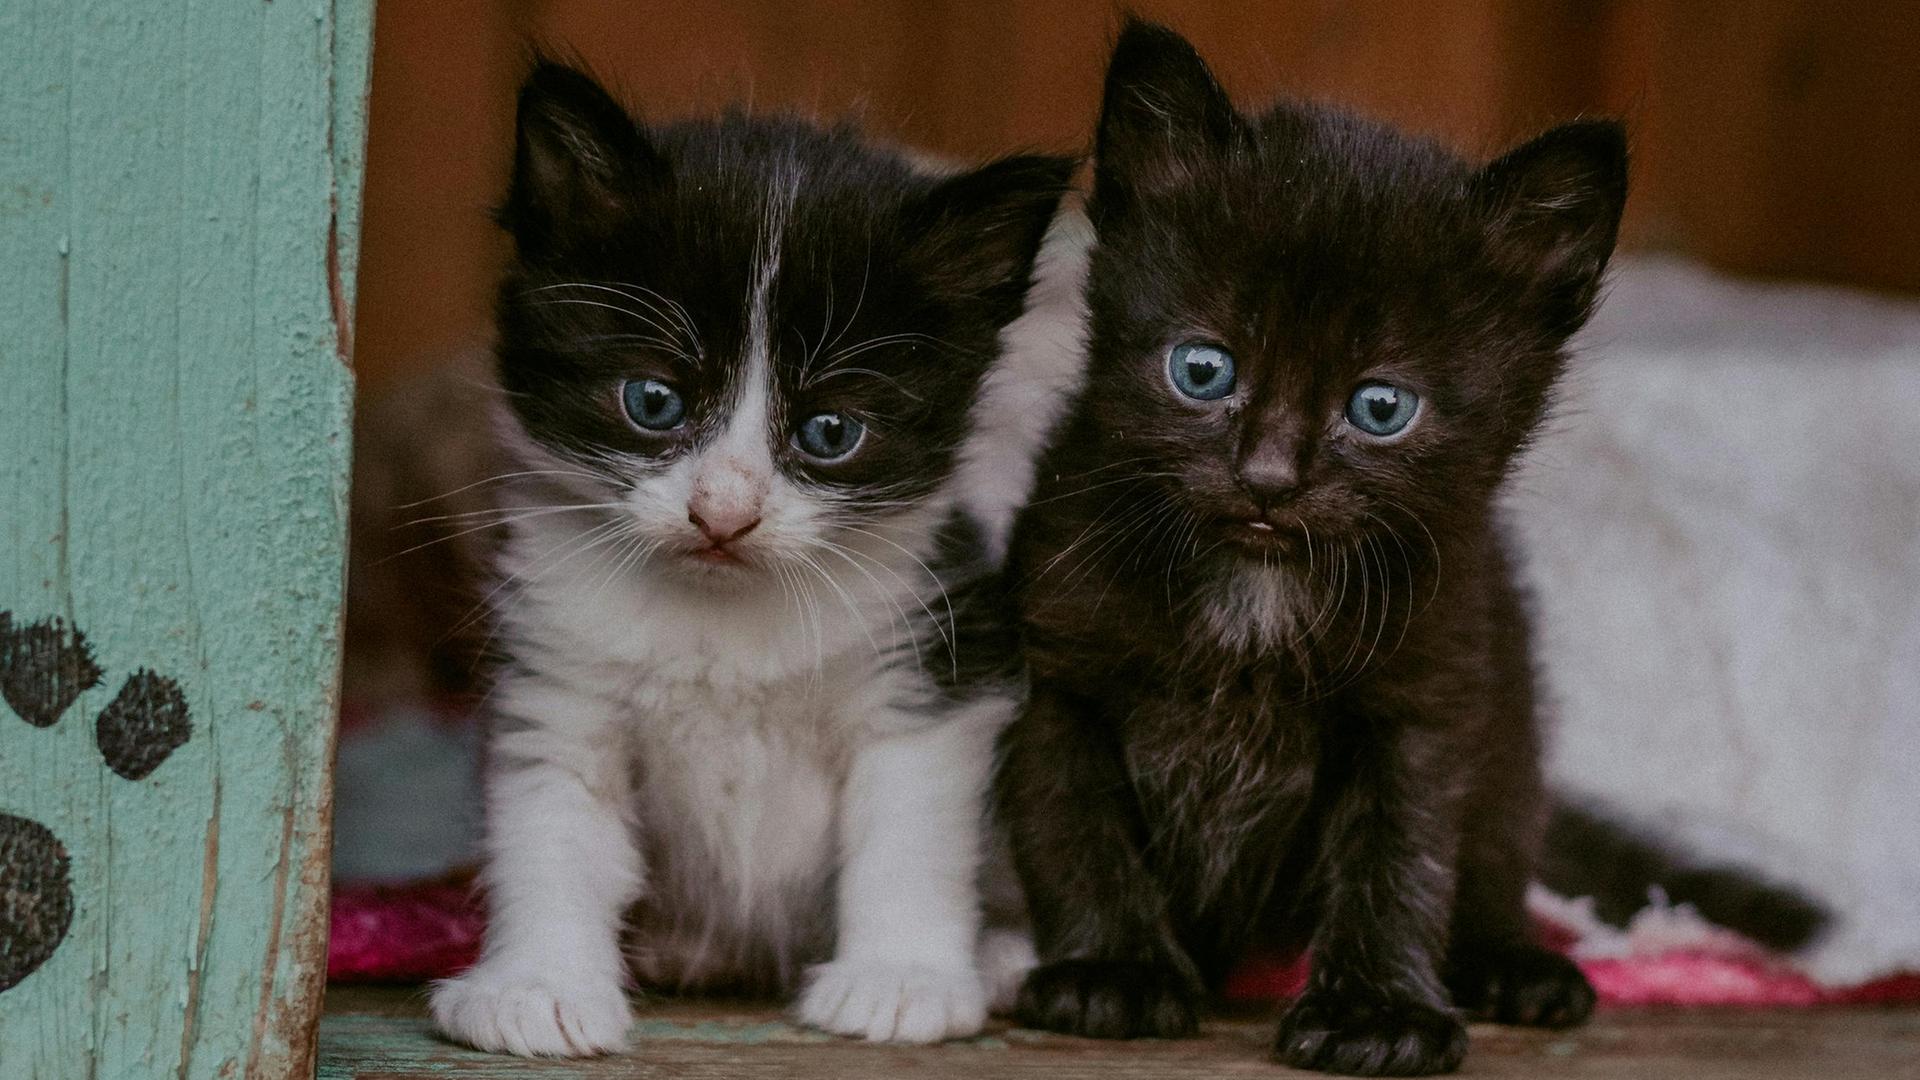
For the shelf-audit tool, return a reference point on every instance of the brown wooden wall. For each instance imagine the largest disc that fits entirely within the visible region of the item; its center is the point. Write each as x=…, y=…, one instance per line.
x=1773, y=137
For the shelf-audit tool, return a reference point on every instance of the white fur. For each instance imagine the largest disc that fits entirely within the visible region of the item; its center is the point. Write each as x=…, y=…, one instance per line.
x=709, y=758
x=1722, y=534
x=1658, y=929
x=1264, y=607
x=1041, y=368
x=904, y=965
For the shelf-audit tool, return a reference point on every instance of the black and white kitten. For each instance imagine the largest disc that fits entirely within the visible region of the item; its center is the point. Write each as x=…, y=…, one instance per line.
x=738, y=729
x=1281, y=687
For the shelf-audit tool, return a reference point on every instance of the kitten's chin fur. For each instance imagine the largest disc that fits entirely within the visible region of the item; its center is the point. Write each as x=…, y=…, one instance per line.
x=767, y=776
x=1257, y=605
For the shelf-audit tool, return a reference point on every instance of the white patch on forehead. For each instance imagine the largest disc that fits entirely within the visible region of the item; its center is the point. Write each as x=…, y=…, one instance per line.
x=782, y=189
x=745, y=436
x=744, y=440
x=1257, y=607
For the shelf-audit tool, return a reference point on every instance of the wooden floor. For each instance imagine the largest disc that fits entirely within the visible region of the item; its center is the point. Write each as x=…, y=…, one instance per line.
x=382, y=1034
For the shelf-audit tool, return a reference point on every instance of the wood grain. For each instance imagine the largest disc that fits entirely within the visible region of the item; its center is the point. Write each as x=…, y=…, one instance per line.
x=381, y=1034
x=1776, y=137
x=178, y=211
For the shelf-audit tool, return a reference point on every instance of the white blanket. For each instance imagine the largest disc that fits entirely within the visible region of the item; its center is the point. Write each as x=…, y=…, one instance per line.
x=1723, y=540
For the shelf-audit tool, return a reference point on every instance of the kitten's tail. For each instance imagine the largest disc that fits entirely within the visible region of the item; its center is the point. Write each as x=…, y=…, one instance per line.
x=1590, y=854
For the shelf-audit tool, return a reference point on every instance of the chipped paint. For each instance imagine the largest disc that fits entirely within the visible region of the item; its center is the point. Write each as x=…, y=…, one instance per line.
x=173, y=470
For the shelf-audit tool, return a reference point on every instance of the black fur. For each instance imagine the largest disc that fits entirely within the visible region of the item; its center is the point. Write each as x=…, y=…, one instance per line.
x=967, y=639
x=636, y=252
x=1590, y=854
x=1363, y=776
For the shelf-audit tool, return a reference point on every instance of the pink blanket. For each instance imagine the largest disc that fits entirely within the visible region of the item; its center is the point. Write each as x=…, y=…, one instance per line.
x=429, y=930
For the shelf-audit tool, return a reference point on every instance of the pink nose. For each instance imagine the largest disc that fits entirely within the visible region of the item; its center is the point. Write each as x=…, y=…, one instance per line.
x=722, y=528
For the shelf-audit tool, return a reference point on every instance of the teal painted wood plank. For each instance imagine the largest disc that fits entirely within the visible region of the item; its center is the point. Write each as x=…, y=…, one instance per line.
x=179, y=186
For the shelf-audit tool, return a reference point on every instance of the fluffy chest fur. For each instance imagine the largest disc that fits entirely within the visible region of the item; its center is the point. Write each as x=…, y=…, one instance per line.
x=1239, y=694
x=731, y=719
x=738, y=786
x=1226, y=799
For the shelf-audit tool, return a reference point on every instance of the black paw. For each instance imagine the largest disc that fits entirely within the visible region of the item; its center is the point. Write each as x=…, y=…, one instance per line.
x=36, y=897
x=1369, y=1035
x=44, y=668
x=1109, y=1000
x=143, y=725
x=1520, y=984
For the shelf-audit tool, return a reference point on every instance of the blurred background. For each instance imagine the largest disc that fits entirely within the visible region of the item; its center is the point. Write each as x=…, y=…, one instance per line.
x=1771, y=137
x=1721, y=528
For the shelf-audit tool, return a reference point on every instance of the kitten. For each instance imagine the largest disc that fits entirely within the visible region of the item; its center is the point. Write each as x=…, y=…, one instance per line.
x=1281, y=689
x=746, y=718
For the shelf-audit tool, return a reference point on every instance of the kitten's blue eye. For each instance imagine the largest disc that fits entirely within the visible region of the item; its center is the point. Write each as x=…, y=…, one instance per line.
x=829, y=436
x=1200, y=371
x=1382, y=409
x=653, y=404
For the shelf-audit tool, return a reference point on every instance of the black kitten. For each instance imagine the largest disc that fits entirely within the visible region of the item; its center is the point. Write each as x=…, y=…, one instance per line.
x=1281, y=681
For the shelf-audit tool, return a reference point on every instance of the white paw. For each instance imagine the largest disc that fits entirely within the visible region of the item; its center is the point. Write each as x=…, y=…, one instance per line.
x=893, y=1003
x=533, y=1014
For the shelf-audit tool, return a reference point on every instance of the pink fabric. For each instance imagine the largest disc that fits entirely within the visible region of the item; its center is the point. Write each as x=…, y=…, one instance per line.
x=429, y=930
x=405, y=933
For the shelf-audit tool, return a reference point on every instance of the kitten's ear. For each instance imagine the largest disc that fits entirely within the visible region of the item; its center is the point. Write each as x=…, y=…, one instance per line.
x=576, y=153
x=980, y=230
x=1555, y=207
x=1162, y=110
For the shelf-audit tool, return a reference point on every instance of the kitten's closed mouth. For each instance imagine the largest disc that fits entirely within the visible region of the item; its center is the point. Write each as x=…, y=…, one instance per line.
x=714, y=555
x=1264, y=537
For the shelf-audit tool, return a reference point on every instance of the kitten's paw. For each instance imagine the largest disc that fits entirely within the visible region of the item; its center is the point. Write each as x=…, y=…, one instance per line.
x=893, y=1003
x=1109, y=1000
x=532, y=1014
x=1368, y=1035
x=1520, y=984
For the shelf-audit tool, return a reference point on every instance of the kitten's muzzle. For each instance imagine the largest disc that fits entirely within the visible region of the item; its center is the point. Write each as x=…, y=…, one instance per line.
x=721, y=530
x=1270, y=479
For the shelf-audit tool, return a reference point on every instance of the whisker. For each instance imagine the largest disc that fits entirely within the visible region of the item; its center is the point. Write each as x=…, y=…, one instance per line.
x=469, y=531
x=905, y=622
x=931, y=576
x=500, y=479
x=846, y=598
x=686, y=320
x=865, y=273
x=1135, y=478
x=668, y=331
x=604, y=530
x=510, y=512
x=888, y=379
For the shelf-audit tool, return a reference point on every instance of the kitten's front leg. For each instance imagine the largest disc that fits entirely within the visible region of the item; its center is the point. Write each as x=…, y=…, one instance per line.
x=1374, y=1004
x=1111, y=966
x=1495, y=969
x=561, y=869
x=911, y=821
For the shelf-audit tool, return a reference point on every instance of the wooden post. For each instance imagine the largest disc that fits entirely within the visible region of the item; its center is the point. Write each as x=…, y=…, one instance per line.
x=179, y=208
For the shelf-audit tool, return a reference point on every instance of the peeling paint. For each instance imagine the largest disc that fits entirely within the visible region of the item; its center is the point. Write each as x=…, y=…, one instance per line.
x=173, y=479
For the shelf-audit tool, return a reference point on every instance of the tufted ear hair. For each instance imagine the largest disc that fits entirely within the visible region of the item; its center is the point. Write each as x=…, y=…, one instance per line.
x=577, y=156
x=1554, y=208
x=980, y=230
x=1161, y=111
